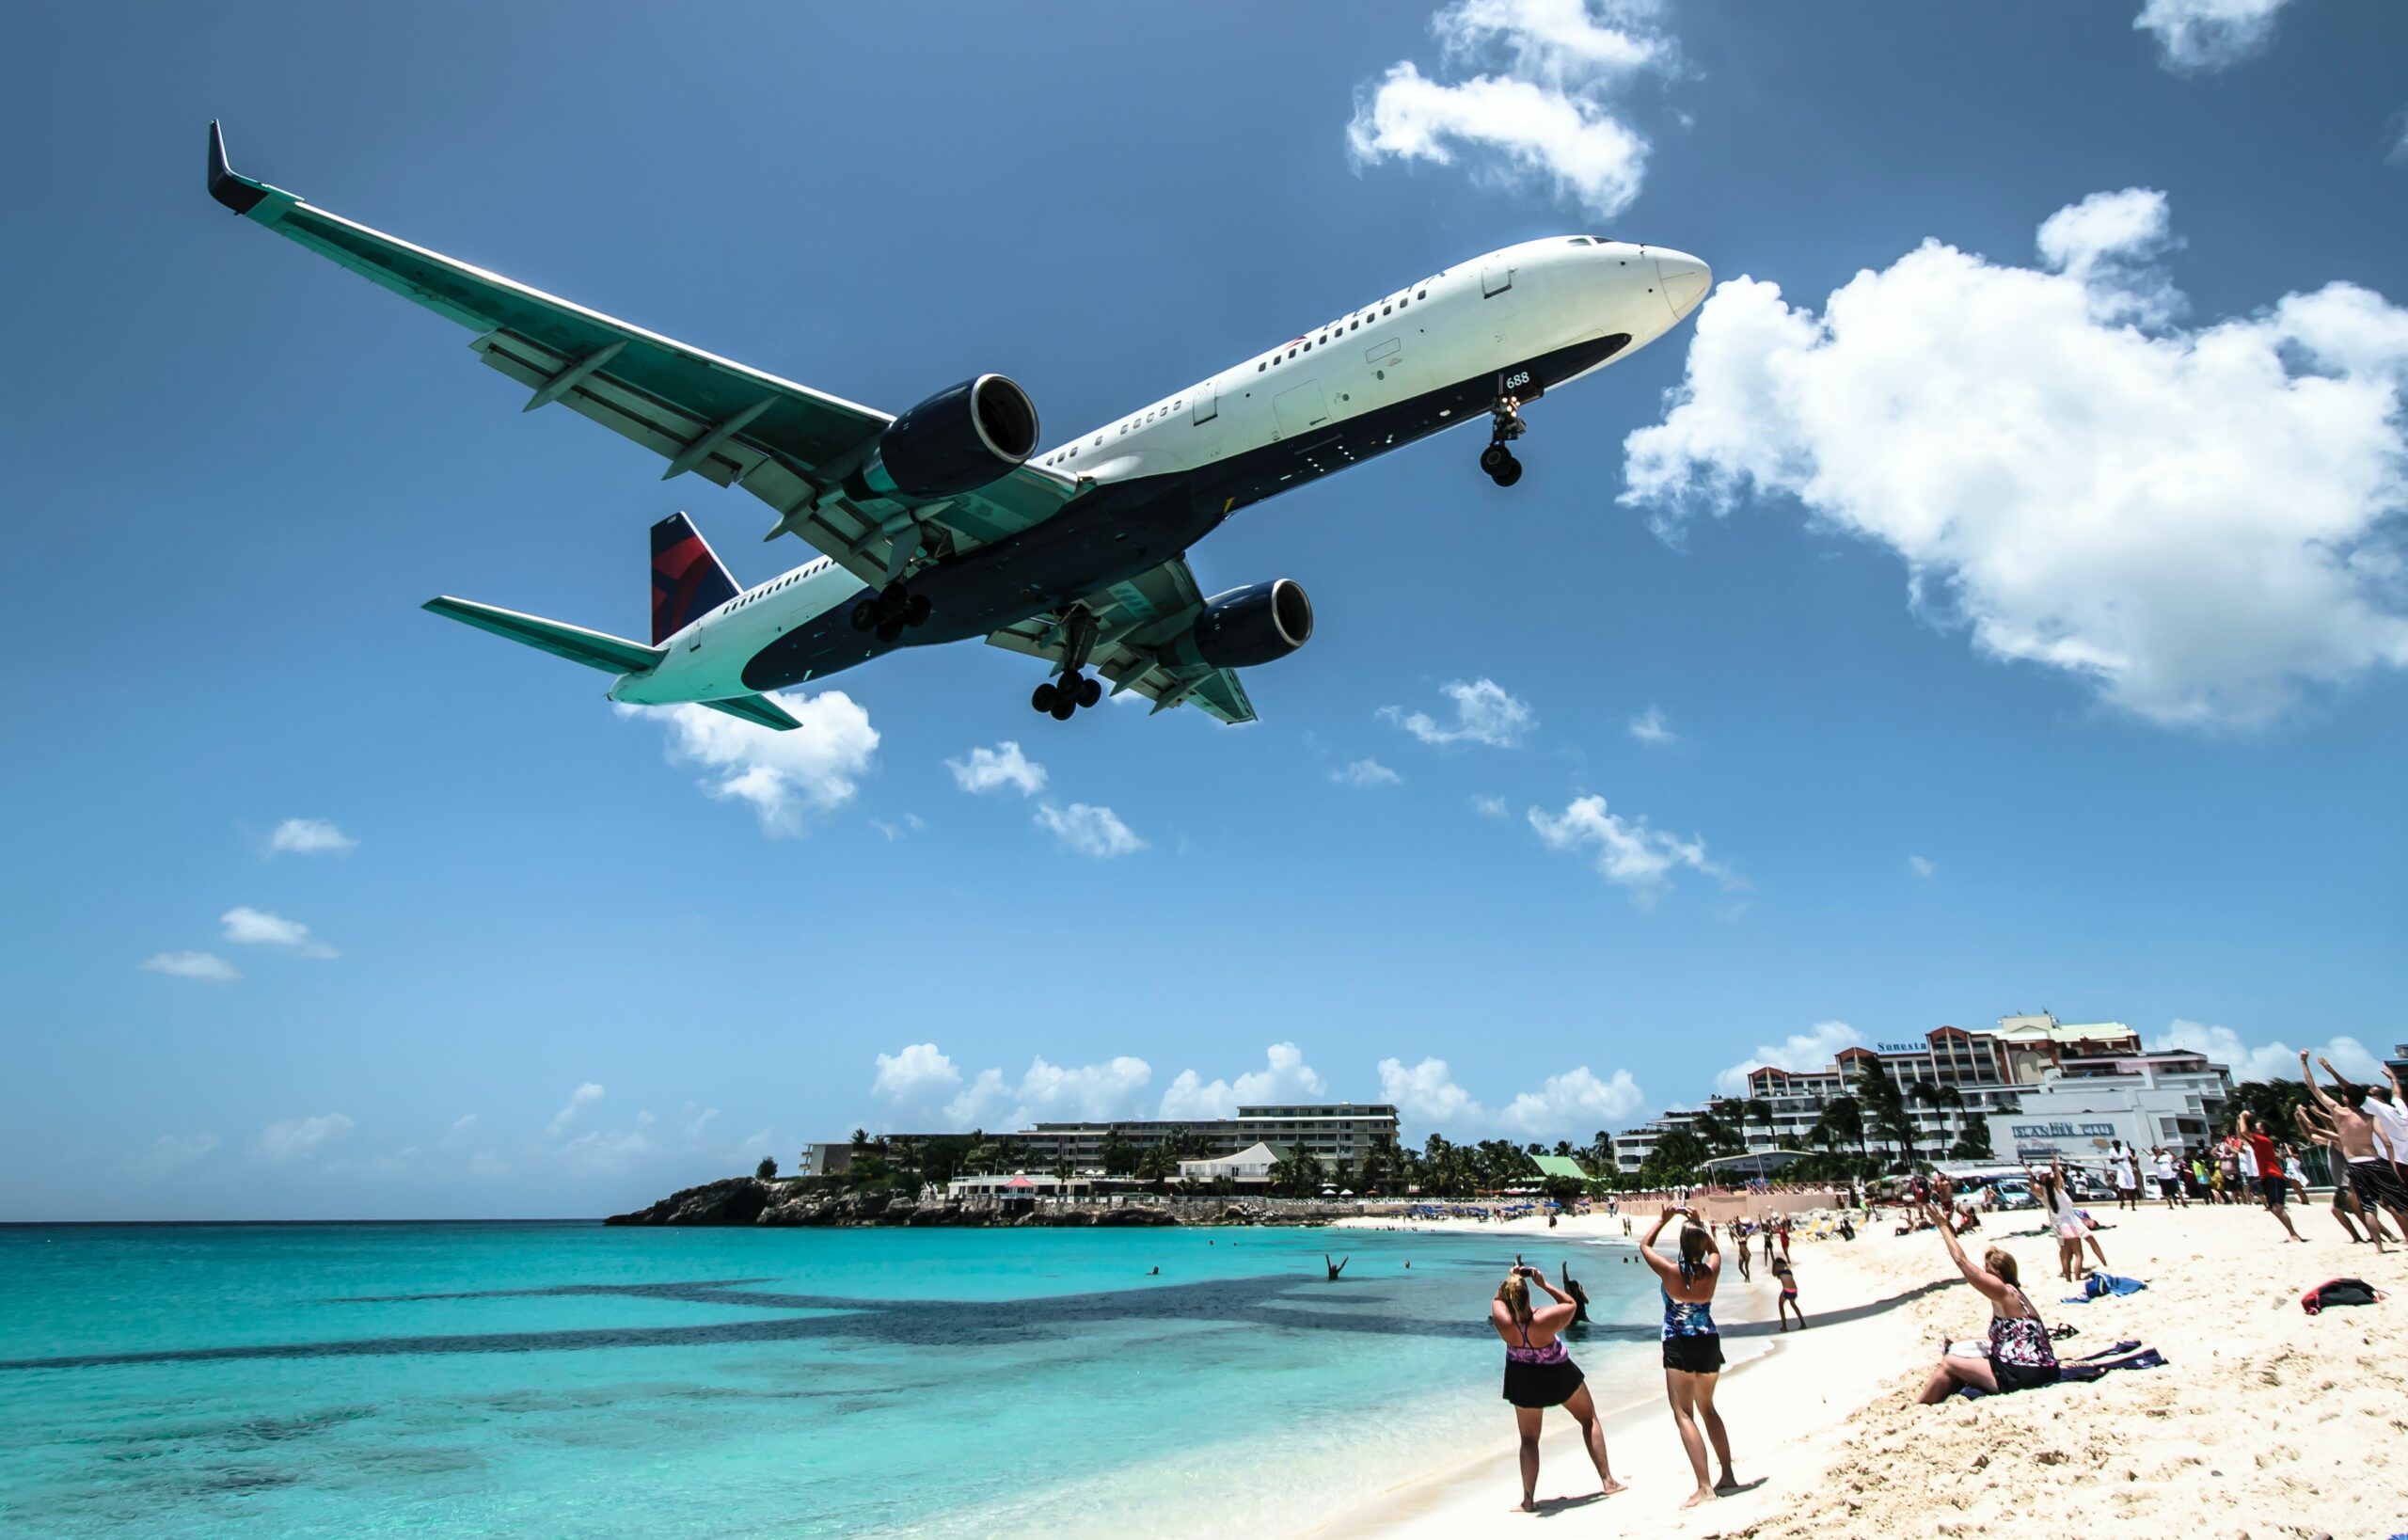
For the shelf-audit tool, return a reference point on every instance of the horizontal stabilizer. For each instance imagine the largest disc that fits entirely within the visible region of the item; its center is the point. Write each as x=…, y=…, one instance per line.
x=759, y=708
x=595, y=649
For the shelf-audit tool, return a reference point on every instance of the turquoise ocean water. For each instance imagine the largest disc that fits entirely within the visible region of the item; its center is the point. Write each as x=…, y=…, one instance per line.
x=573, y=1380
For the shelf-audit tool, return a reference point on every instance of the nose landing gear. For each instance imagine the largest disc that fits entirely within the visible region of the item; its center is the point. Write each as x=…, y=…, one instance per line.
x=1507, y=425
x=888, y=610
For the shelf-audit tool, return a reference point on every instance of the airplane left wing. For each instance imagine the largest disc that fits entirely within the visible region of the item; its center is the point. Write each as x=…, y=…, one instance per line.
x=1133, y=621
x=787, y=444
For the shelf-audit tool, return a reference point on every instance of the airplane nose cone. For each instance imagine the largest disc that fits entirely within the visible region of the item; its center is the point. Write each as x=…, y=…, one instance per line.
x=1683, y=281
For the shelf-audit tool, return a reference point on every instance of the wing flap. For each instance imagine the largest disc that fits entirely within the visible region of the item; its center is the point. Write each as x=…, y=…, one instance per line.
x=595, y=649
x=757, y=708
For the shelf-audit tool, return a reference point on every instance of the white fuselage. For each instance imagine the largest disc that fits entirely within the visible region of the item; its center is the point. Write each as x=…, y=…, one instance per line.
x=1468, y=321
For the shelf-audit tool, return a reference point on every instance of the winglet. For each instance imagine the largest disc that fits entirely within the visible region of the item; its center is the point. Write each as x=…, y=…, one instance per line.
x=240, y=194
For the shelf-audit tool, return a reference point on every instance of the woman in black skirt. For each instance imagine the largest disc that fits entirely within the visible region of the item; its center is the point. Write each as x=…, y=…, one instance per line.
x=1540, y=1374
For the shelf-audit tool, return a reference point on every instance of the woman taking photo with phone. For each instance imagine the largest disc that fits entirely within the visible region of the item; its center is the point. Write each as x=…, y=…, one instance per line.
x=1692, y=1345
x=1539, y=1373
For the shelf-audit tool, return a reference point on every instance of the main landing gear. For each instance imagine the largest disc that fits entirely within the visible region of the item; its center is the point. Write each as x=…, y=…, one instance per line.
x=890, y=610
x=1498, y=460
x=1059, y=698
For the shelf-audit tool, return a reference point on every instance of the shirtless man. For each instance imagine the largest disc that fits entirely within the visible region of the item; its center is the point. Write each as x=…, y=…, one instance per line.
x=2364, y=1144
x=2346, y=1207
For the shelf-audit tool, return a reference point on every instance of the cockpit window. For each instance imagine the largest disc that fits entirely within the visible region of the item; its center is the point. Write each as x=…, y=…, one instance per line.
x=1582, y=240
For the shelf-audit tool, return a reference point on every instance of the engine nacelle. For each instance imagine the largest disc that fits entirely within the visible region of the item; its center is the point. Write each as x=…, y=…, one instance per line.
x=956, y=441
x=1259, y=624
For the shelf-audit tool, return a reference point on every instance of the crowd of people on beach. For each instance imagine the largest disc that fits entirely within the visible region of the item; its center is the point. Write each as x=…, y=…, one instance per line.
x=2363, y=1128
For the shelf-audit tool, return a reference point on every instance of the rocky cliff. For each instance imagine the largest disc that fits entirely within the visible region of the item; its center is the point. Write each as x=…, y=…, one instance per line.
x=749, y=1200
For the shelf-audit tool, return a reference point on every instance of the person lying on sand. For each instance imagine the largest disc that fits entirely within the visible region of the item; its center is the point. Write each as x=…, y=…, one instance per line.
x=2021, y=1355
x=1539, y=1373
x=1692, y=1346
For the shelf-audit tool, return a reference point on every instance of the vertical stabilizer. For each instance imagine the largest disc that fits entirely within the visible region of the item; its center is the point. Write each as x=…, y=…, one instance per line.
x=687, y=580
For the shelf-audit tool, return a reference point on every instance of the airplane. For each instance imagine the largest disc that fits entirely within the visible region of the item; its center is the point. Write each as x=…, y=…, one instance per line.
x=949, y=521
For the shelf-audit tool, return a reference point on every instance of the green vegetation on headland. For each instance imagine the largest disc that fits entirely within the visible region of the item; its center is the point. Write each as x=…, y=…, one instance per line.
x=803, y=1202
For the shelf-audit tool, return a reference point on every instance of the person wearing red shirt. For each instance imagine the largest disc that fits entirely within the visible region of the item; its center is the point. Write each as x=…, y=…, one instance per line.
x=2270, y=1181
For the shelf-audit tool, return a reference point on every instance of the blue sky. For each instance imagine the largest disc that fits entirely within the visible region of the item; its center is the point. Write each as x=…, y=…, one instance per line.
x=2021, y=629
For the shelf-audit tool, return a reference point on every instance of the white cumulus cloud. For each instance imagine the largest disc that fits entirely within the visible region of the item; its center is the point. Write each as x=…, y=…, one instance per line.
x=257, y=927
x=1425, y=1092
x=310, y=836
x=1284, y=1077
x=2196, y=522
x=1490, y=808
x=2197, y=36
x=1919, y=865
x=207, y=966
x=1367, y=772
x=579, y=1099
x=993, y=770
x=1626, y=851
x=916, y=1075
x=1812, y=1050
x=1526, y=96
x=1651, y=728
x=2273, y=1060
x=1090, y=830
x=1576, y=1101
x=784, y=777
x=1052, y=1093
x=300, y=1138
x=1485, y=712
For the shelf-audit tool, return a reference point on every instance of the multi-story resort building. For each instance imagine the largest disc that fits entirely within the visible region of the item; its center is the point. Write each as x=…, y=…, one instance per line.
x=1336, y=1132
x=1340, y=1132
x=2032, y=1065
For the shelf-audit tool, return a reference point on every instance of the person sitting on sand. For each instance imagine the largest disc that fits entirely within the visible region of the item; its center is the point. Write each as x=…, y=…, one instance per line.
x=1539, y=1373
x=1692, y=1346
x=1786, y=1276
x=2021, y=1355
x=2364, y=1144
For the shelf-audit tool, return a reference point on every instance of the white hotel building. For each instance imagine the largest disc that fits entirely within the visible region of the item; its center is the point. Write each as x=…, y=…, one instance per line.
x=2029, y=1076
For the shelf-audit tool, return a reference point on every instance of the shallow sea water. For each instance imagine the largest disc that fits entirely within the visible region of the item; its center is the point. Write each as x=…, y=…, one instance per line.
x=569, y=1379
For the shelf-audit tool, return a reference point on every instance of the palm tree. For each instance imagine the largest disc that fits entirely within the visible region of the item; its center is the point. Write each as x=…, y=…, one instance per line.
x=1846, y=1116
x=1940, y=1098
x=1758, y=1111
x=1882, y=1096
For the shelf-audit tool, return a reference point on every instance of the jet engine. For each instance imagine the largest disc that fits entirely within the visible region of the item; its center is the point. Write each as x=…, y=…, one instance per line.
x=956, y=441
x=1259, y=624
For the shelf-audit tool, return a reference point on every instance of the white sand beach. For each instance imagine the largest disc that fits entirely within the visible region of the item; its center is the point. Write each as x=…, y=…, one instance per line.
x=2265, y=1422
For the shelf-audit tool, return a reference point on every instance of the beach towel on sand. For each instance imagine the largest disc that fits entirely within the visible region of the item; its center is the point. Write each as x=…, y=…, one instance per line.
x=2341, y=1290
x=2100, y=1285
x=2126, y=1355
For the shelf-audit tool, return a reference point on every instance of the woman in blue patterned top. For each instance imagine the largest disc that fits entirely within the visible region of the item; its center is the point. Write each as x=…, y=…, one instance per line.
x=1692, y=1346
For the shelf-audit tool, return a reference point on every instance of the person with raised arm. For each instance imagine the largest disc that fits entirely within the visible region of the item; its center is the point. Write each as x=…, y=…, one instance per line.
x=2272, y=1184
x=2317, y=1130
x=1539, y=1373
x=2364, y=1144
x=2021, y=1355
x=1692, y=1346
